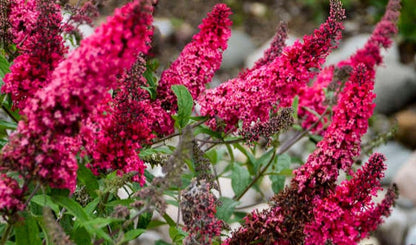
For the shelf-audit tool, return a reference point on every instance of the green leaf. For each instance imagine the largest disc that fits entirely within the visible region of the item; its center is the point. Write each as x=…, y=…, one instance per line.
x=202, y=129
x=263, y=160
x=226, y=209
x=99, y=222
x=7, y=125
x=151, y=151
x=72, y=207
x=161, y=242
x=144, y=220
x=81, y=236
x=177, y=235
x=89, y=209
x=169, y=220
x=185, y=104
x=4, y=68
x=45, y=200
x=240, y=178
x=133, y=234
x=278, y=181
x=28, y=231
x=86, y=177
x=295, y=107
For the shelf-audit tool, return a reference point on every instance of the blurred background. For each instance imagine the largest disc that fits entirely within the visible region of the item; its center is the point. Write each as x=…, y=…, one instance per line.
x=393, y=127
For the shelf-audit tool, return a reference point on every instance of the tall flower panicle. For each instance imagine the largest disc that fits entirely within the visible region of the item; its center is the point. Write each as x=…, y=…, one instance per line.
x=341, y=143
x=36, y=28
x=198, y=208
x=199, y=60
x=313, y=97
x=348, y=214
x=315, y=180
x=130, y=118
x=252, y=97
x=41, y=147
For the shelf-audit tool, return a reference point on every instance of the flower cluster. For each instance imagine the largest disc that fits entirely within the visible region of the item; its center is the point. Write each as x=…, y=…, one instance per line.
x=43, y=147
x=348, y=214
x=198, y=208
x=251, y=97
x=10, y=195
x=313, y=97
x=36, y=28
x=279, y=123
x=292, y=219
x=199, y=60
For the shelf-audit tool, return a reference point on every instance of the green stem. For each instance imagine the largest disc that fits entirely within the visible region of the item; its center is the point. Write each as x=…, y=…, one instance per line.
x=9, y=114
x=6, y=234
x=280, y=151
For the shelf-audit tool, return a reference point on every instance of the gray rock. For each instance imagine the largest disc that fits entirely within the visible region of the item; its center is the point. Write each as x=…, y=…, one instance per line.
x=392, y=78
x=395, y=87
x=393, y=229
x=405, y=179
x=165, y=26
x=396, y=156
x=239, y=46
x=411, y=235
x=258, y=53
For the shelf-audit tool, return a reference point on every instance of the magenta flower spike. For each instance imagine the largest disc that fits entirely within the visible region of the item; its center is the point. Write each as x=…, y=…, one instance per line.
x=251, y=98
x=313, y=97
x=348, y=214
x=199, y=60
x=43, y=148
x=35, y=28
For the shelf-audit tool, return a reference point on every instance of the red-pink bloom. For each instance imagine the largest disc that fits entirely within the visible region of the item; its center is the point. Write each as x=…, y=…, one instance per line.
x=131, y=117
x=36, y=28
x=199, y=60
x=348, y=214
x=341, y=143
x=313, y=97
x=251, y=98
x=39, y=148
x=316, y=179
x=10, y=195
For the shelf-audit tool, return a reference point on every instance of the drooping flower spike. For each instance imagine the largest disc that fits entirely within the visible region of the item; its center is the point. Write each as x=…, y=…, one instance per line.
x=199, y=60
x=313, y=97
x=42, y=148
x=36, y=31
x=252, y=97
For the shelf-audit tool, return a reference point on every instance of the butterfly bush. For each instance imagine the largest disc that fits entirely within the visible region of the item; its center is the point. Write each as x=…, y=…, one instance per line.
x=313, y=97
x=252, y=97
x=42, y=148
x=35, y=28
x=99, y=106
x=198, y=61
x=285, y=221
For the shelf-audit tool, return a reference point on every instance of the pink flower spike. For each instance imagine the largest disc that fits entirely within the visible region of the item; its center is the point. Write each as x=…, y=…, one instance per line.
x=200, y=59
x=251, y=97
x=77, y=87
x=36, y=28
x=348, y=215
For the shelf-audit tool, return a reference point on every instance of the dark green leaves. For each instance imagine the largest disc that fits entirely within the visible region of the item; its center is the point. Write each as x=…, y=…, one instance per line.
x=240, y=178
x=185, y=105
x=4, y=68
x=28, y=231
x=226, y=209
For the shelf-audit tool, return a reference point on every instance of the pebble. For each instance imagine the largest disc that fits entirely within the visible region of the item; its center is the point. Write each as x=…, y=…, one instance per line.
x=239, y=46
